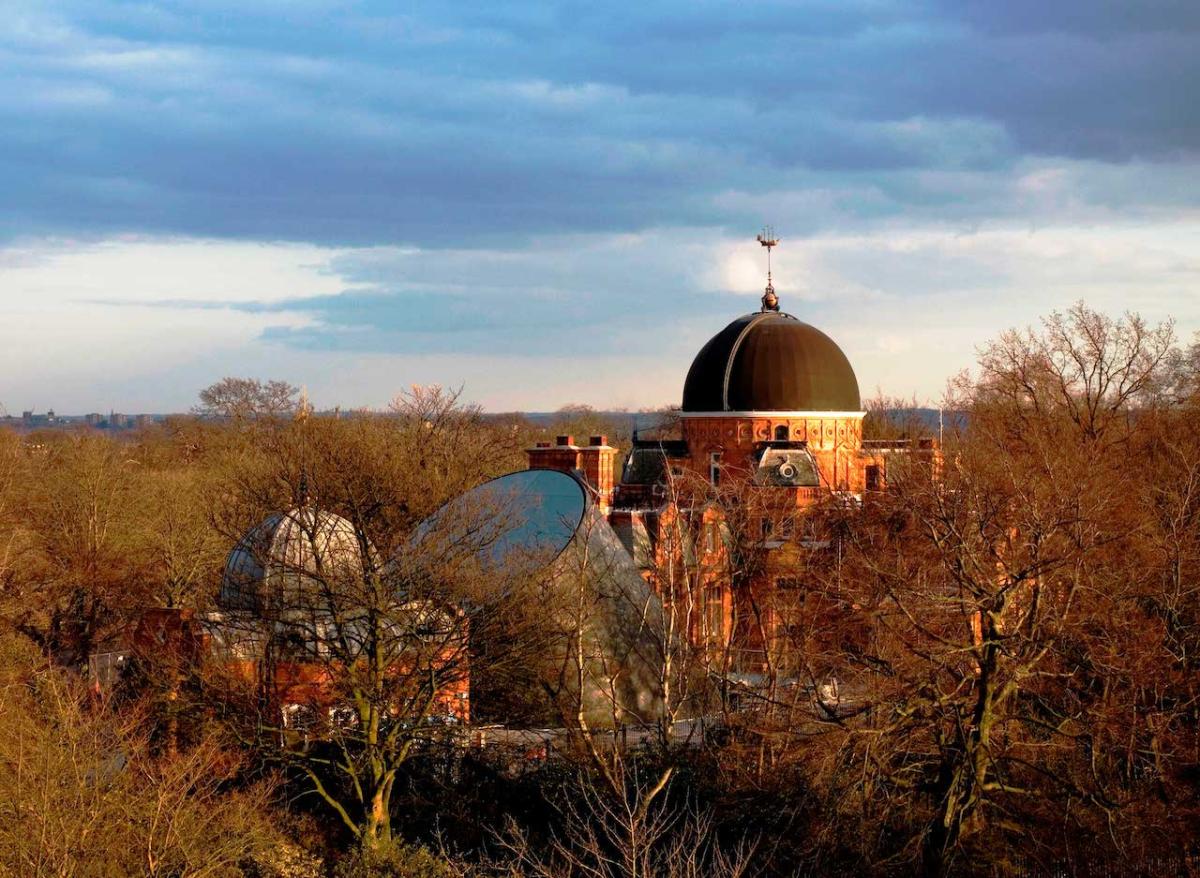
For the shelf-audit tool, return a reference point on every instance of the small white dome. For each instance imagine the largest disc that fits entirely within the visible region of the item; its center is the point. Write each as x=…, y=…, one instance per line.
x=288, y=561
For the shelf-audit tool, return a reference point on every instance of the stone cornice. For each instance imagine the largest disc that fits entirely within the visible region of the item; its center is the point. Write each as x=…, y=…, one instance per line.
x=774, y=415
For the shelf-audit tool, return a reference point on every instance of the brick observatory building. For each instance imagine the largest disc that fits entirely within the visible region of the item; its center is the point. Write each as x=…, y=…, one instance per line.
x=712, y=516
x=771, y=424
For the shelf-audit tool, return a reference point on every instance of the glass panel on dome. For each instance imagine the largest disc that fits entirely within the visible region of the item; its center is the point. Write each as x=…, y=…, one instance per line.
x=533, y=512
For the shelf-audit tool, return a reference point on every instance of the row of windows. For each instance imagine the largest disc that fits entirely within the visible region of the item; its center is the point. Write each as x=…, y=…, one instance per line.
x=791, y=594
x=714, y=458
x=874, y=473
x=784, y=530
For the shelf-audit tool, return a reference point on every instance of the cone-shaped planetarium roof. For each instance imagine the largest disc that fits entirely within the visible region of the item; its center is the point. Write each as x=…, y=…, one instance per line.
x=586, y=592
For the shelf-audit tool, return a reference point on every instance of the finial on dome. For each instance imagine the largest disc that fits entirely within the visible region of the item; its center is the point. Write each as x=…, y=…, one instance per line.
x=304, y=408
x=770, y=301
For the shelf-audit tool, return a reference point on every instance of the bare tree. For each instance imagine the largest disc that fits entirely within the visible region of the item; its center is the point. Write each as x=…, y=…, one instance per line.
x=243, y=399
x=13, y=536
x=992, y=596
x=361, y=621
x=81, y=793
x=1090, y=368
x=180, y=550
x=82, y=564
x=631, y=683
x=891, y=417
x=606, y=837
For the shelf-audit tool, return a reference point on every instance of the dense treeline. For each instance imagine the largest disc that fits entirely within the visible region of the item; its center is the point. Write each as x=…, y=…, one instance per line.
x=1016, y=642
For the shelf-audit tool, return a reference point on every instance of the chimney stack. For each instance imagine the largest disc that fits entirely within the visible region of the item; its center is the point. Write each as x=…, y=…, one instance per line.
x=596, y=459
x=562, y=456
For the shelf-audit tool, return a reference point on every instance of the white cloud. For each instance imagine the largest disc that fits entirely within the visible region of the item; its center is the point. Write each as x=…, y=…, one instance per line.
x=946, y=293
x=123, y=324
x=38, y=274
x=82, y=325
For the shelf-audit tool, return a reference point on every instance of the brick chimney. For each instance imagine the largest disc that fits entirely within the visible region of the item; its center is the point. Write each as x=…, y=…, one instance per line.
x=596, y=460
x=563, y=455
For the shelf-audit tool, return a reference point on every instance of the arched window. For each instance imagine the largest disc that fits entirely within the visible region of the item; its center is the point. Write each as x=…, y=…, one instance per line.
x=781, y=433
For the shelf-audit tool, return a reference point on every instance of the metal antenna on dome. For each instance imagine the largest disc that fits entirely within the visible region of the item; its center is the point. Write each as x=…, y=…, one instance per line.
x=770, y=302
x=304, y=410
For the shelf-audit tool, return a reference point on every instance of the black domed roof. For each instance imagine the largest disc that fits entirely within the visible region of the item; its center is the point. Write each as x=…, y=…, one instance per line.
x=770, y=362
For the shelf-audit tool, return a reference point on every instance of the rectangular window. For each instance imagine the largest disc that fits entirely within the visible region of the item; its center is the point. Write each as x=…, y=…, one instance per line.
x=714, y=614
x=714, y=467
x=874, y=482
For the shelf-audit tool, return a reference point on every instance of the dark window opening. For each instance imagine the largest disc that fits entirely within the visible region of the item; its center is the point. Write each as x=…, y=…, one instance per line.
x=714, y=614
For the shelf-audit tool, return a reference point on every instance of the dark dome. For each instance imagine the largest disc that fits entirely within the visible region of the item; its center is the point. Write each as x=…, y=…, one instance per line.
x=770, y=362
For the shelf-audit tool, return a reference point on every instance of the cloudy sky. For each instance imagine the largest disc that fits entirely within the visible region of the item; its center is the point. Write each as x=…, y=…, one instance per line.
x=557, y=202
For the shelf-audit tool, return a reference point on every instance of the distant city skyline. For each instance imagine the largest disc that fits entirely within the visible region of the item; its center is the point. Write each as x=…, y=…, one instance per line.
x=548, y=204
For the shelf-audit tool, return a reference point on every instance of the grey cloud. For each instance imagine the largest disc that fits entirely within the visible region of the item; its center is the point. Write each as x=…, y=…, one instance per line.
x=348, y=123
x=565, y=296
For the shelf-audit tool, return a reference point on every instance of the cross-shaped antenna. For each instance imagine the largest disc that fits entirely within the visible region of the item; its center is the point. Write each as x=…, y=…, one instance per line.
x=770, y=302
